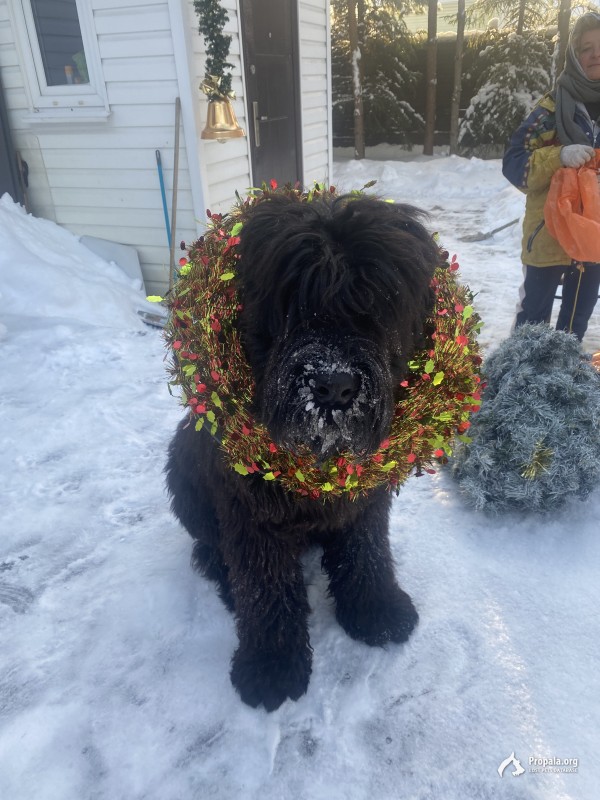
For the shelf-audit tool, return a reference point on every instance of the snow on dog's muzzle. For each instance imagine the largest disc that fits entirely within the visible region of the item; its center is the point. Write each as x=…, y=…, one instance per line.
x=330, y=400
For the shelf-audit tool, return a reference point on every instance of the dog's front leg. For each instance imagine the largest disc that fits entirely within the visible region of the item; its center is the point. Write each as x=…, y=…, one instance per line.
x=274, y=657
x=370, y=605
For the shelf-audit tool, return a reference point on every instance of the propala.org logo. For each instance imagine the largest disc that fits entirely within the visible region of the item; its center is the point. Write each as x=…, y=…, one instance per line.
x=512, y=759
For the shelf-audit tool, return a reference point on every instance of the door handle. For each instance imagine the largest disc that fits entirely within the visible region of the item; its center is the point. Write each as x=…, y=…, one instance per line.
x=256, y=123
x=257, y=120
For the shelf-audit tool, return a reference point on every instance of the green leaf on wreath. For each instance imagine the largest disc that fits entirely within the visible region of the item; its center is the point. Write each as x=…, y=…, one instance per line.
x=241, y=469
x=216, y=400
x=210, y=416
x=467, y=312
x=300, y=476
x=390, y=465
x=200, y=424
x=438, y=378
x=237, y=228
x=227, y=276
x=429, y=365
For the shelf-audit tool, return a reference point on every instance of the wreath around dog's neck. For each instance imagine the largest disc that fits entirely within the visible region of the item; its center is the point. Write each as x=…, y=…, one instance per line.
x=209, y=364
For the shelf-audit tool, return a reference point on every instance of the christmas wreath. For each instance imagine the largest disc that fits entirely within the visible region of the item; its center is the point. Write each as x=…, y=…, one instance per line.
x=209, y=364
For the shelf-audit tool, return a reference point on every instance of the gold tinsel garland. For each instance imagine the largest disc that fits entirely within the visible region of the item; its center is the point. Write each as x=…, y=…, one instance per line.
x=208, y=363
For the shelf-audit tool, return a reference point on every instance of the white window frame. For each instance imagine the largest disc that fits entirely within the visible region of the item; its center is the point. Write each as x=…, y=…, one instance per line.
x=75, y=101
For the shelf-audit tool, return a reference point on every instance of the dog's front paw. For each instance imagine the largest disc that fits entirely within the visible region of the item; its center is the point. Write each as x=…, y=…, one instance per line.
x=380, y=620
x=270, y=678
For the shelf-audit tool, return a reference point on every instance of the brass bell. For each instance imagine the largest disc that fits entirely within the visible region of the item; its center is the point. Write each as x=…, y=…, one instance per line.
x=221, y=122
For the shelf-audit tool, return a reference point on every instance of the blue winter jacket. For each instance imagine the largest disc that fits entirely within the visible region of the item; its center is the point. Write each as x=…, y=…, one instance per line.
x=531, y=159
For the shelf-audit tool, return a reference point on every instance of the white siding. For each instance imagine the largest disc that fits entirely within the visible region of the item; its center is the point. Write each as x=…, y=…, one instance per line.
x=315, y=89
x=100, y=178
x=225, y=166
x=17, y=101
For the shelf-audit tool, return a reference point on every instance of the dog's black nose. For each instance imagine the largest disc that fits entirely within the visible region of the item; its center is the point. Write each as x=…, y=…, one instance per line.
x=335, y=389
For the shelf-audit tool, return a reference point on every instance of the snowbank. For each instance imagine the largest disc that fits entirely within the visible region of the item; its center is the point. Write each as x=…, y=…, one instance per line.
x=46, y=272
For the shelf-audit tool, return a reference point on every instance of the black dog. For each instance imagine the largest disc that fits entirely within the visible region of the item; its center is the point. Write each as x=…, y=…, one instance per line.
x=334, y=297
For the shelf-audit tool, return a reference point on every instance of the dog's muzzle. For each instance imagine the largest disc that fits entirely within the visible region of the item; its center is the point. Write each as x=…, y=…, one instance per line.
x=332, y=399
x=335, y=389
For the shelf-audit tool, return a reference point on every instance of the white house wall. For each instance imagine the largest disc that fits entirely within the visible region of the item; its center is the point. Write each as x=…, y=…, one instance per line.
x=227, y=166
x=315, y=88
x=16, y=100
x=100, y=178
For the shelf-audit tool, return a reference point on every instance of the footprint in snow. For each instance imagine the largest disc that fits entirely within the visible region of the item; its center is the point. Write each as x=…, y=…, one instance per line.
x=18, y=598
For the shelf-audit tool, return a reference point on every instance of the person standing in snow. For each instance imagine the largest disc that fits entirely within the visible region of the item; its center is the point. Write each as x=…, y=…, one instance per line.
x=561, y=131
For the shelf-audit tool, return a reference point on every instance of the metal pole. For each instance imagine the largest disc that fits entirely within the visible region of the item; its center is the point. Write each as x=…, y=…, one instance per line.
x=174, y=198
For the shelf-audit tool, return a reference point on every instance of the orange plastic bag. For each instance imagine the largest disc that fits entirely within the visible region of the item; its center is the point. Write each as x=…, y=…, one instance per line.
x=572, y=210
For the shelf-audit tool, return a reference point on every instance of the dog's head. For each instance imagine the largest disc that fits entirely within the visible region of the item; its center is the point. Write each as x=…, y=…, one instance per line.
x=334, y=294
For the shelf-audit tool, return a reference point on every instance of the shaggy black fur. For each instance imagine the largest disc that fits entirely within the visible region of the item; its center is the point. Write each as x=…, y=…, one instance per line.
x=334, y=295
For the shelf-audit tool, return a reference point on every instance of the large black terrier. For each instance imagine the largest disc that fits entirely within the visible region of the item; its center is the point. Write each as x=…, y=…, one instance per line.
x=334, y=293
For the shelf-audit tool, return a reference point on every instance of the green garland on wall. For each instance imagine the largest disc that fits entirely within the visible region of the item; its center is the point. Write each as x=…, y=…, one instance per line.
x=212, y=18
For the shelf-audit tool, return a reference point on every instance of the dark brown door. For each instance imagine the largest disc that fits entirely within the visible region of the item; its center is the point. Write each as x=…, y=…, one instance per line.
x=270, y=30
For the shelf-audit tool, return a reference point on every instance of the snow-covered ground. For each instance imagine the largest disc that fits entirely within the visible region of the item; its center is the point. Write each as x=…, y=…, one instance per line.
x=114, y=655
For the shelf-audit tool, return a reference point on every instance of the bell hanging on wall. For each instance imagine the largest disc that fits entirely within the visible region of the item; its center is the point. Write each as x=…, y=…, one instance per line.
x=221, y=122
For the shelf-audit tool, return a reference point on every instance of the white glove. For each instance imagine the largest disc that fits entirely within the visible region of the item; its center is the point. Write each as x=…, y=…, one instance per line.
x=575, y=155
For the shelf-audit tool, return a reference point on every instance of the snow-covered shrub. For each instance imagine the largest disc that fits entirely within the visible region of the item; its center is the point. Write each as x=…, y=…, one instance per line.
x=536, y=440
x=390, y=81
x=515, y=73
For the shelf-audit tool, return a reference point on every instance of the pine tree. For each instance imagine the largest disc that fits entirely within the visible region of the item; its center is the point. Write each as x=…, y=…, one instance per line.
x=457, y=86
x=387, y=79
x=430, y=77
x=517, y=15
x=516, y=70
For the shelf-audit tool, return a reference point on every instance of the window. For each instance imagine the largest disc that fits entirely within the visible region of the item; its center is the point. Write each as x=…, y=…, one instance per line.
x=59, y=39
x=61, y=57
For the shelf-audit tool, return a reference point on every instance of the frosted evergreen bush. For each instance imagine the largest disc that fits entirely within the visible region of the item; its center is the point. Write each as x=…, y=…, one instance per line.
x=536, y=439
x=390, y=77
x=515, y=73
